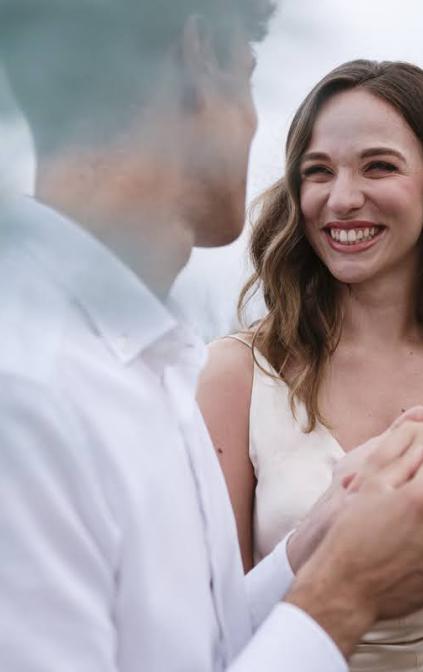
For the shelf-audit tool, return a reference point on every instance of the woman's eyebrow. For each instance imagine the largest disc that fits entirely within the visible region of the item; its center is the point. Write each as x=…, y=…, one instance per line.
x=366, y=153
x=315, y=156
x=378, y=151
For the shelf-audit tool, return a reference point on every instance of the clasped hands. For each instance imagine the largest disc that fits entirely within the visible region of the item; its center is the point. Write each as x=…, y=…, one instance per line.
x=385, y=462
x=358, y=555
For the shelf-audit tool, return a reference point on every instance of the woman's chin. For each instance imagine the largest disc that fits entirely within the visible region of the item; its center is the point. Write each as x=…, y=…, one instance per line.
x=351, y=276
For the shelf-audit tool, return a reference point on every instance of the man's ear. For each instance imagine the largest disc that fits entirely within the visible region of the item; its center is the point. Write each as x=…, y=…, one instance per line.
x=199, y=64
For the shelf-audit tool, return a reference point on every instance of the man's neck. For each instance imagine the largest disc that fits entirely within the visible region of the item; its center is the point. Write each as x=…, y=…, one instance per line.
x=137, y=218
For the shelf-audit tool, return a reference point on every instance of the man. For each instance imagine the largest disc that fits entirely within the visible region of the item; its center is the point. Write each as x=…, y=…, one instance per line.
x=118, y=546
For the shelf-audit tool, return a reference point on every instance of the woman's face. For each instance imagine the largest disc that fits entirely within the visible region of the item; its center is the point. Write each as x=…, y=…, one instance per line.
x=362, y=188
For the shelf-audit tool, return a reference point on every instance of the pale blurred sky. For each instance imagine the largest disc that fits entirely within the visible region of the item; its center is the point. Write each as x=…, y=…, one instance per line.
x=307, y=39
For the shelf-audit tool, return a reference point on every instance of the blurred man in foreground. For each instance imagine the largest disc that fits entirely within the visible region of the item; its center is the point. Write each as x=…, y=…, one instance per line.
x=119, y=549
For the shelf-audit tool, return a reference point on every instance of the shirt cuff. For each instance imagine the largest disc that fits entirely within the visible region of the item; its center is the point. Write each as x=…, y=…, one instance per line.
x=269, y=582
x=289, y=639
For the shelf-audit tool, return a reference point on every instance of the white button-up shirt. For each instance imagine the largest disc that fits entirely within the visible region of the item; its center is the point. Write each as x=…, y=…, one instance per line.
x=118, y=548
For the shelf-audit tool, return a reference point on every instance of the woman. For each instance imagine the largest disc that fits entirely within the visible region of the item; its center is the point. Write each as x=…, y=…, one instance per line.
x=337, y=252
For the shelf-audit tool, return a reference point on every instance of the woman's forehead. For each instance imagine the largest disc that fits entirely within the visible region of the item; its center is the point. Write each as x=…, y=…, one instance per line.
x=356, y=120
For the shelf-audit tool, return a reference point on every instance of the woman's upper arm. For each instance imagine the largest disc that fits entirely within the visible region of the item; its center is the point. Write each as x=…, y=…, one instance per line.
x=224, y=396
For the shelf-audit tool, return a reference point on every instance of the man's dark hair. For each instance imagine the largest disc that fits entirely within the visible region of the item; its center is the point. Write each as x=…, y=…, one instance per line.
x=84, y=66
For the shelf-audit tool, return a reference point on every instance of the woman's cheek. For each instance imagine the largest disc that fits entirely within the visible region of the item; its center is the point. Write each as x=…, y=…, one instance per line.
x=311, y=233
x=309, y=202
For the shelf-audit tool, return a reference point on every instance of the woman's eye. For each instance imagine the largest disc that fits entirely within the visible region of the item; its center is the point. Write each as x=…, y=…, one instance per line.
x=381, y=166
x=316, y=170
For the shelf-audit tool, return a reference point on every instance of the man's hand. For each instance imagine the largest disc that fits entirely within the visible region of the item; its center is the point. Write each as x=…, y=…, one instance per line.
x=309, y=534
x=349, y=474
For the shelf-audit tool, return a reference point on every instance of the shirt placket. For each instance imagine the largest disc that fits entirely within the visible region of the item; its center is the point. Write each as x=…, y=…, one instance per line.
x=181, y=396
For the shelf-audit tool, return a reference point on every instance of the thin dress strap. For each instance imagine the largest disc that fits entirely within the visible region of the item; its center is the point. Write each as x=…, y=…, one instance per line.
x=241, y=339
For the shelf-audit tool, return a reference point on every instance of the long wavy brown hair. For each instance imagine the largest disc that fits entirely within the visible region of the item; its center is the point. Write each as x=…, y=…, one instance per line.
x=304, y=317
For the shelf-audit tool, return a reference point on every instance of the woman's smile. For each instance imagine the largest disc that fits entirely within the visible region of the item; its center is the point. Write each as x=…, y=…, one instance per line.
x=354, y=236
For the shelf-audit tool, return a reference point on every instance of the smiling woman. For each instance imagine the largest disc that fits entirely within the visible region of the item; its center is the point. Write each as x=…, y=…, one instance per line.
x=337, y=252
x=354, y=161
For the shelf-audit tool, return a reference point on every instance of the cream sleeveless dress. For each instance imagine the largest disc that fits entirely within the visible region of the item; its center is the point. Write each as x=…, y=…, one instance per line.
x=293, y=469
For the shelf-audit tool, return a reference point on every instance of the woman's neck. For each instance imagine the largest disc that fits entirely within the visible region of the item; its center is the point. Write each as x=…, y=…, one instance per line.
x=381, y=312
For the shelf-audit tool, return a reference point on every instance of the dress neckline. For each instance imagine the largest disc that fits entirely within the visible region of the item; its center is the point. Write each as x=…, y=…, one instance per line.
x=300, y=405
x=266, y=365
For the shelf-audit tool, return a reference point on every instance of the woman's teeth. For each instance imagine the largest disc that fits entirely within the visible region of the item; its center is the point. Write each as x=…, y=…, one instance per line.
x=353, y=236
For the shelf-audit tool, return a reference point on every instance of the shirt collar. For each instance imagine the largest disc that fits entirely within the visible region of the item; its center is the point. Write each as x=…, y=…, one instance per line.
x=119, y=305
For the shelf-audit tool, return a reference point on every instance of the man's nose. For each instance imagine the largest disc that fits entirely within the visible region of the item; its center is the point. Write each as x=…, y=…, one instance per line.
x=346, y=195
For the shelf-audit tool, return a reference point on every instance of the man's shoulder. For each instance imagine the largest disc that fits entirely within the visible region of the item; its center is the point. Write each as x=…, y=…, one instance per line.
x=34, y=311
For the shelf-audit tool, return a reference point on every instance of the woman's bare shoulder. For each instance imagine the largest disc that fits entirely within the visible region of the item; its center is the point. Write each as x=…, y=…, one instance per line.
x=231, y=359
x=226, y=381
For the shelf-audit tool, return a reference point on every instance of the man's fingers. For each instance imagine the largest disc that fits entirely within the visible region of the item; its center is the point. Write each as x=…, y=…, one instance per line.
x=396, y=441
x=404, y=468
x=415, y=413
x=417, y=480
x=390, y=449
x=386, y=449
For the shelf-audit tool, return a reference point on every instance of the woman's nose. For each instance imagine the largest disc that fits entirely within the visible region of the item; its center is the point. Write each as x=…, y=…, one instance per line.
x=346, y=195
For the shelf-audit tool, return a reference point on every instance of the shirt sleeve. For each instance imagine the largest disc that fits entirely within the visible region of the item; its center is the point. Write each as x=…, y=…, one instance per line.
x=269, y=582
x=290, y=640
x=57, y=540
